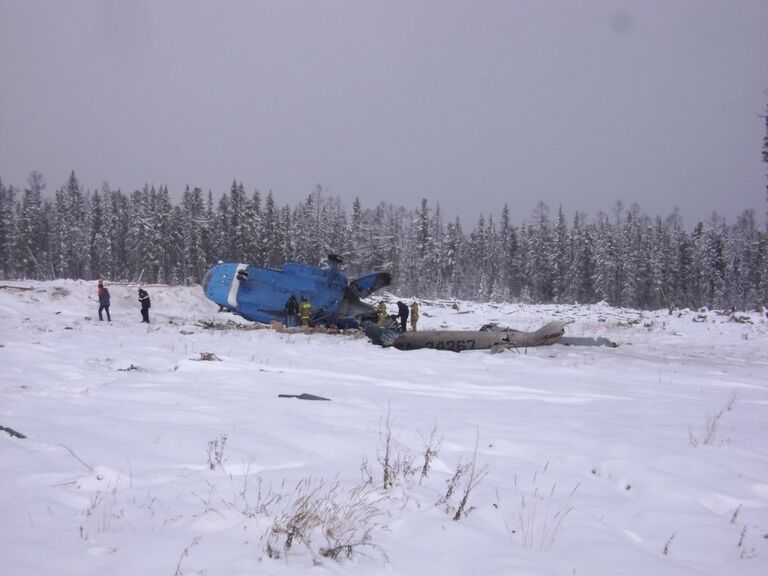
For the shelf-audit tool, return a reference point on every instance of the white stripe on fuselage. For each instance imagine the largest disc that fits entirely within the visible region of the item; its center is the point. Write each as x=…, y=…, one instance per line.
x=234, y=287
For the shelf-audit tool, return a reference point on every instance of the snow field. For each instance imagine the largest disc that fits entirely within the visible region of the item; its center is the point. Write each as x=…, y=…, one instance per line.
x=140, y=458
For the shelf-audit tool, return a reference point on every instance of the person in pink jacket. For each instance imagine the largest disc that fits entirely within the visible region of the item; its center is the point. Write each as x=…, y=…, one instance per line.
x=103, y=301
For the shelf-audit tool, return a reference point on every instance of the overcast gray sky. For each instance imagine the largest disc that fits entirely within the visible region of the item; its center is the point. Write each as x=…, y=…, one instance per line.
x=469, y=104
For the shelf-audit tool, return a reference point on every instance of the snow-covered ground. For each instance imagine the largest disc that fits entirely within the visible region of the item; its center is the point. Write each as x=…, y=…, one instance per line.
x=142, y=459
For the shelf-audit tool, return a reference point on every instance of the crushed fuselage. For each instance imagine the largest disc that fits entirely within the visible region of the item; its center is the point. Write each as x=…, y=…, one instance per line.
x=460, y=340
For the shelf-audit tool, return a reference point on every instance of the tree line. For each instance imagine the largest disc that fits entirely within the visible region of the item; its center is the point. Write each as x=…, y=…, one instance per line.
x=626, y=257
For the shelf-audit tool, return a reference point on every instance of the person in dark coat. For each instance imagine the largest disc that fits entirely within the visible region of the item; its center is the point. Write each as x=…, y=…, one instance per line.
x=291, y=312
x=145, y=304
x=402, y=312
x=103, y=301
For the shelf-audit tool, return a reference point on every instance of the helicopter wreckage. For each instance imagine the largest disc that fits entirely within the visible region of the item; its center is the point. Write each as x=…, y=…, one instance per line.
x=489, y=337
x=259, y=294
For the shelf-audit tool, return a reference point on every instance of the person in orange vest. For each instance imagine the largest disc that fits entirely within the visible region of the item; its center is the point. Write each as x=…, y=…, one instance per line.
x=382, y=311
x=305, y=309
x=414, y=315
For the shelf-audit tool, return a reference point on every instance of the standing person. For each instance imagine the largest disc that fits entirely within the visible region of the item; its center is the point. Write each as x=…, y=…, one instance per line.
x=291, y=311
x=145, y=304
x=306, y=311
x=402, y=311
x=103, y=301
x=382, y=311
x=414, y=315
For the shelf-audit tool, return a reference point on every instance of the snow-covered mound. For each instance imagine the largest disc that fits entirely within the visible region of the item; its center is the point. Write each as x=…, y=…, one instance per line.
x=139, y=457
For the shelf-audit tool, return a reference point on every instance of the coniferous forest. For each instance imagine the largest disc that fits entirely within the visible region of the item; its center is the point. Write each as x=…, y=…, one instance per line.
x=625, y=257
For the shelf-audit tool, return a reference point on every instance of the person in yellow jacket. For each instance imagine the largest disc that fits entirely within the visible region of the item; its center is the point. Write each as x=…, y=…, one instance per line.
x=305, y=310
x=414, y=315
x=382, y=310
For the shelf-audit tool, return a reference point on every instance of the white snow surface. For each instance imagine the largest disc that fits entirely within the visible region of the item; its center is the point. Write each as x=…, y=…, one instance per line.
x=142, y=459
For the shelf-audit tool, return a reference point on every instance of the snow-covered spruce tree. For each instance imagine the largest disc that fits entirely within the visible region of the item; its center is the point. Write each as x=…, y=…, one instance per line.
x=118, y=214
x=163, y=235
x=615, y=279
x=715, y=252
x=438, y=253
x=495, y=261
x=581, y=269
x=319, y=248
x=702, y=269
x=354, y=255
x=98, y=241
x=377, y=240
x=606, y=256
x=143, y=240
x=420, y=267
x=286, y=236
x=669, y=259
x=763, y=244
x=207, y=231
x=193, y=257
x=313, y=221
x=620, y=232
x=509, y=273
x=334, y=230
x=428, y=235
x=682, y=279
x=175, y=273
x=655, y=254
x=7, y=230
x=235, y=225
x=539, y=255
x=222, y=244
x=453, y=259
x=562, y=258
x=476, y=282
x=743, y=271
x=71, y=245
x=305, y=221
x=115, y=227
x=762, y=267
x=255, y=251
x=271, y=237
x=32, y=245
x=408, y=258
x=392, y=241
x=633, y=234
x=642, y=265
x=765, y=159
x=491, y=262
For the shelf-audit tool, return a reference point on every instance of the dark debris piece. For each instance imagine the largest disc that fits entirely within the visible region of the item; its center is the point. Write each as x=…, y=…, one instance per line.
x=304, y=396
x=12, y=432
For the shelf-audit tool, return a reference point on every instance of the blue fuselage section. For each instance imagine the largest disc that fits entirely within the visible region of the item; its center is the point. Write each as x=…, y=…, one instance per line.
x=260, y=294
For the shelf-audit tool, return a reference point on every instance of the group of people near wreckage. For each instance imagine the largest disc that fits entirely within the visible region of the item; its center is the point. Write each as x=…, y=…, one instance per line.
x=402, y=314
x=104, y=303
x=296, y=312
x=301, y=311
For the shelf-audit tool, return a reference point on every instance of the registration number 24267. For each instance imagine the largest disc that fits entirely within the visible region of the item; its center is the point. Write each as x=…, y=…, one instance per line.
x=455, y=345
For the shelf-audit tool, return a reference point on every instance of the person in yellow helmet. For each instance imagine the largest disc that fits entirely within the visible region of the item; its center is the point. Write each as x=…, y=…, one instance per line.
x=305, y=310
x=414, y=315
x=382, y=310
